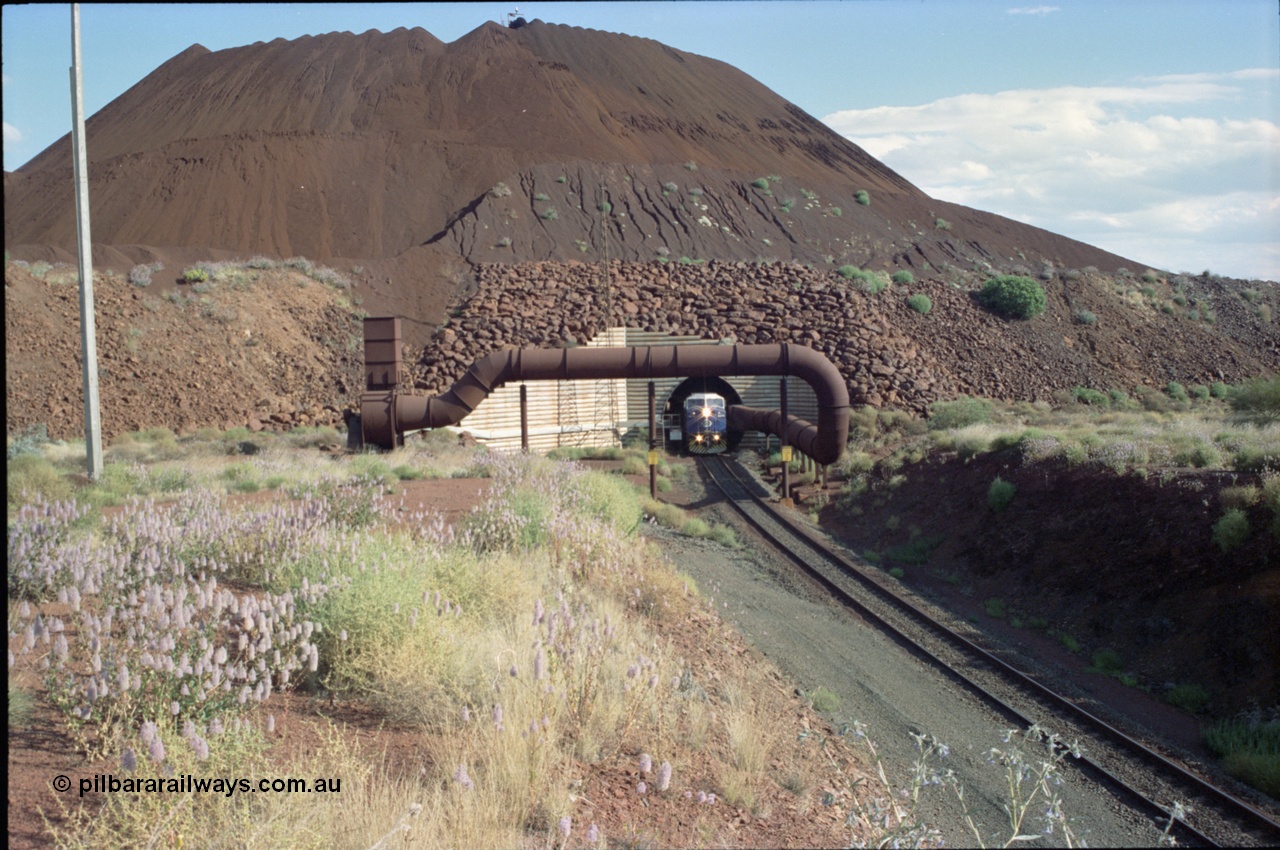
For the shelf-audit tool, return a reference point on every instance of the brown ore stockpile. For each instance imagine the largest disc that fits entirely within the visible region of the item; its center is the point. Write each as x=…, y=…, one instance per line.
x=482, y=188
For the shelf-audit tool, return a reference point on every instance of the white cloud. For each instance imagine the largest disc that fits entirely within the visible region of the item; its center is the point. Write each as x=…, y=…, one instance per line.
x=1034, y=10
x=1243, y=74
x=1099, y=164
x=12, y=134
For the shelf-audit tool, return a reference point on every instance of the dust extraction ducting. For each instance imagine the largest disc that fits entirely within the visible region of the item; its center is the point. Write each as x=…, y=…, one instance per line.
x=386, y=414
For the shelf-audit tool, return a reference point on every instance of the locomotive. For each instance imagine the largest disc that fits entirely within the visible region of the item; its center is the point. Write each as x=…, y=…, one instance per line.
x=705, y=424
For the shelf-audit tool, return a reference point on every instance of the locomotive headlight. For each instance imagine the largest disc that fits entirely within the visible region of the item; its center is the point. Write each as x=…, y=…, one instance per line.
x=716, y=438
x=698, y=438
x=706, y=413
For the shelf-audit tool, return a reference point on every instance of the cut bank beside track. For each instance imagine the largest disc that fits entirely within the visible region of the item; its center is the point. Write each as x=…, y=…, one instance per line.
x=1131, y=769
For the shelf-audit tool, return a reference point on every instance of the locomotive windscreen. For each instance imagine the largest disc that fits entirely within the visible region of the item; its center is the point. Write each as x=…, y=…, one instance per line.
x=705, y=423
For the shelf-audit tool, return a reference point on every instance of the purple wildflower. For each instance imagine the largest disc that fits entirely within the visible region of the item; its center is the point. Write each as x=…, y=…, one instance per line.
x=664, y=776
x=646, y=763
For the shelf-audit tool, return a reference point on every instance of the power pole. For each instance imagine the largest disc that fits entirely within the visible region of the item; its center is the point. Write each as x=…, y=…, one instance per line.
x=88, y=327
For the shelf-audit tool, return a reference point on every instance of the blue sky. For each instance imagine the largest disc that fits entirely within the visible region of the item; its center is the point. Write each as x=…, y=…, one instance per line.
x=1151, y=129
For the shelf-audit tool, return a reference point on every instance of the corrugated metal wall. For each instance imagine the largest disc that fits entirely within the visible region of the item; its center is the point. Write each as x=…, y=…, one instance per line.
x=601, y=413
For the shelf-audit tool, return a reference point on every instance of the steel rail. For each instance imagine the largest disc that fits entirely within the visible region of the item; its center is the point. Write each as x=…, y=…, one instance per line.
x=1237, y=807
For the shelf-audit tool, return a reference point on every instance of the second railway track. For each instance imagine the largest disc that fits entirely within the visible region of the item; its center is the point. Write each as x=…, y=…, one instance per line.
x=1149, y=780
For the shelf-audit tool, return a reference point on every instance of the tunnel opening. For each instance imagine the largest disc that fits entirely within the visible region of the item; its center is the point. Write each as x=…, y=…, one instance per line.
x=704, y=384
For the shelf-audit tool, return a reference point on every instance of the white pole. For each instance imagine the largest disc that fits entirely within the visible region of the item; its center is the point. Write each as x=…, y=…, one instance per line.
x=88, y=329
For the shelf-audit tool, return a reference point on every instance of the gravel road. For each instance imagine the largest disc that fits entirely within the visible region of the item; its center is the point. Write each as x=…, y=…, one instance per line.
x=817, y=642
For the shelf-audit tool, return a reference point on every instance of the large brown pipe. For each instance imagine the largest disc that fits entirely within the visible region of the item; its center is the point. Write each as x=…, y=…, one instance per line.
x=384, y=415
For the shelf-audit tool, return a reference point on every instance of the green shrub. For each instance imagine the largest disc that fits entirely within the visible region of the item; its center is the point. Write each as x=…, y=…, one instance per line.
x=1219, y=390
x=605, y=207
x=32, y=475
x=1069, y=641
x=920, y=303
x=1242, y=497
x=942, y=224
x=862, y=197
x=541, y=196
x=721, y=534
x=30, y=441
x=1086, y=317
x=1188, y=697
x=405, y=472
x=1255, y=459
x=1000, y=494
x=1107, y=661
x=823, y=700
x=195, y=275
x=903, y=277
x=1232, y=530
x=873, y=283
x=897, y=572
x=1084, y=395
x=611, y=499
x=1199, y=392
x=1014, y=296
x=1119, y=398
x=995, y=608
x=760, y=183
x=1199, y=455
x=695, y=527
x=1176, y=391
x=837, y=212
x=1250, y=751
x=913, y=553
x=550, y=214
x=21, y=706
x=1256, y=402
x=960, y=413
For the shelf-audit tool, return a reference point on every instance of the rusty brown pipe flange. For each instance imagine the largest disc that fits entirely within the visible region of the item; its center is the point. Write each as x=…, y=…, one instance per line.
x=824, y=442
x=378, y=418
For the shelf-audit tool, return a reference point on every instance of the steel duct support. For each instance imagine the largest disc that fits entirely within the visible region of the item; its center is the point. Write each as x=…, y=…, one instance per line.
x=385, y=414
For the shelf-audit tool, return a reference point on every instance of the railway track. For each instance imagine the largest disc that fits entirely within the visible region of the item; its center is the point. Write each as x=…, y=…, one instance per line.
x=1131, y=768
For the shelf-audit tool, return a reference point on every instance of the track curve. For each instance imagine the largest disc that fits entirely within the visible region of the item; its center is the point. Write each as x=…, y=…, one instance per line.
x=1214, y=816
